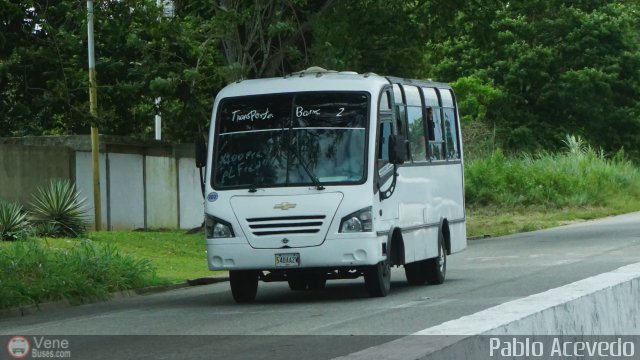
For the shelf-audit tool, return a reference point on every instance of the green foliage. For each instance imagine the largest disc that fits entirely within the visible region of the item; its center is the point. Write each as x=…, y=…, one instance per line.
x=561, y=68
x=13, y=222
x=530, y=71
x=385, y=37
x=44, y=77
x=479, y=102
x=581, y=176
x=476, y=96
x=58, y=210
x=32, y=272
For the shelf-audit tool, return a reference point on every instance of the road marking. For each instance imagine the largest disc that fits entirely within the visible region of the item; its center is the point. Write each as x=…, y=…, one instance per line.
x=423, y=303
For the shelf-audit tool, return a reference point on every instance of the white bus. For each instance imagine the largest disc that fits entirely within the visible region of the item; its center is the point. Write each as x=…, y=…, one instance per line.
x=324, y=175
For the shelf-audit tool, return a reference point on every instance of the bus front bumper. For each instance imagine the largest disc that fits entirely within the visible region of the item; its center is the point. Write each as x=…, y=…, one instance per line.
x=237, y=254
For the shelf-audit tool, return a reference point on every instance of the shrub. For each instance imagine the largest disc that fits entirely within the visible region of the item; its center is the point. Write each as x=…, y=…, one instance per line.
x=13, y=222
x=57, y=210
x=580, y=176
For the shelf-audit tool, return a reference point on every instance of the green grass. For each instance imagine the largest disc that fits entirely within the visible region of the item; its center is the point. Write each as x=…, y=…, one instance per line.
x=506, y=195
x=496, y=221
x=48, y=269
x=33, y=271
x=177, y=256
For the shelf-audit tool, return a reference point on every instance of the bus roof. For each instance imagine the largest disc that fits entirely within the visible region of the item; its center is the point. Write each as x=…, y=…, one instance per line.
x=318, y=79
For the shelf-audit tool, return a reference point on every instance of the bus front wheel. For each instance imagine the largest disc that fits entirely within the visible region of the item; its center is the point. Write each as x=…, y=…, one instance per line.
x=244, y=285
x=377, y=279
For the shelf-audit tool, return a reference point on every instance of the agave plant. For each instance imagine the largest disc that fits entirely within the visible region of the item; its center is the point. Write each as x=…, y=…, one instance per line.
x=13, y=222
x=58, y=210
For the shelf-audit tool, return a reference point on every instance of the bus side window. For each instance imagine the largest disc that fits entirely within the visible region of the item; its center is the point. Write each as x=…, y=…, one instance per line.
x=437, y=145
x=434, y=123
x=385, y=129
x=430, y=124
x=450, y=128
x=418, y=147
x=385, y=114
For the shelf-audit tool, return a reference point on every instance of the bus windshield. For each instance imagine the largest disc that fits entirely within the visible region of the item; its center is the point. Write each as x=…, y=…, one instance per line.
x=291, y=139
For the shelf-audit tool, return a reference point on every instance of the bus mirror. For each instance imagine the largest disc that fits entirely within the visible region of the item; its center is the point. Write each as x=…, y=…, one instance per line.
x=201, y=153
x=397, y=149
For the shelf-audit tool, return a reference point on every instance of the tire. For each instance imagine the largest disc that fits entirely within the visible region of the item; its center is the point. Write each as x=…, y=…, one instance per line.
x=377, y=279
x=436, y=268
x=297, y=284
x=316, y=283
x=244, y=285
x=415, y=273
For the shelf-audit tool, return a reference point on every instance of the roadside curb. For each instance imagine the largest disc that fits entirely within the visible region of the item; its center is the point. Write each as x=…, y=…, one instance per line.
x=63, y=304
x=479, y=237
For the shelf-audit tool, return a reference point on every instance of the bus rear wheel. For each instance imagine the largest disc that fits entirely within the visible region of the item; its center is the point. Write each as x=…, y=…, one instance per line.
x=377, y=279
x=416, y=273
x=436, y=268
x=316, y=283
x=244, y=285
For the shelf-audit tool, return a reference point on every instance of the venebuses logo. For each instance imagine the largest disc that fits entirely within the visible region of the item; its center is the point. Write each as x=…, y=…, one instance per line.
x=18, y=347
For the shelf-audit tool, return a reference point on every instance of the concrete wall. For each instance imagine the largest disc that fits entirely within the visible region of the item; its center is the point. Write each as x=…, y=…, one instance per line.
x=24, y=168
x=162, y=205
x=603, y=306
x=126, y=191
x=582, y=307
x=143, y=184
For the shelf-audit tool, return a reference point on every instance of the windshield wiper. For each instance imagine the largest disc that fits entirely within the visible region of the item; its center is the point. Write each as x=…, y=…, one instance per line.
x=254, y=185
x=314, y=179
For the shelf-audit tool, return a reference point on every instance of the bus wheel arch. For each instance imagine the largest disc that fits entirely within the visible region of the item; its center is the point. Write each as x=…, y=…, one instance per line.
x=444, y=227
x=395, y=246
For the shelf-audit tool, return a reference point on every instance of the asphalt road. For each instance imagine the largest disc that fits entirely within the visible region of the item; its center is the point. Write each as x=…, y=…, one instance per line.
x=320, y=324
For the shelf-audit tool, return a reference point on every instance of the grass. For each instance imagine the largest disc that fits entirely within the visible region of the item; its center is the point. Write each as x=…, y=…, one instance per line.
x=497, y=221
x=506, y=195
x=32, y=272
x=49, y=269
x=176, y=256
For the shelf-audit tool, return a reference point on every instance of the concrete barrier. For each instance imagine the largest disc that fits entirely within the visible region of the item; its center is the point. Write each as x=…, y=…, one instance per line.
x=605, y=304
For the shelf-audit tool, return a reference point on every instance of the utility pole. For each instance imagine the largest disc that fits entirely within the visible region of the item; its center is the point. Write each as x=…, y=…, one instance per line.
x=93, y=105
x=167, y=11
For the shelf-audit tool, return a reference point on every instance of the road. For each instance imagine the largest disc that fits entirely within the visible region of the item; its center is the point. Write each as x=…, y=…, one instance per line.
x=490, y=272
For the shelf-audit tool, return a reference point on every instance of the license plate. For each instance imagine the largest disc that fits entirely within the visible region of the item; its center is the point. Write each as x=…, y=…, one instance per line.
x=287, y=260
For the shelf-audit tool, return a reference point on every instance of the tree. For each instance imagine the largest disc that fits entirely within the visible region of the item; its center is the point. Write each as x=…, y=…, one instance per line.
x=562, y=69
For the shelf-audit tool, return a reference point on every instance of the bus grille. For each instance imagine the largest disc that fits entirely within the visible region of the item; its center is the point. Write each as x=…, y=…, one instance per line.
x=286, y=225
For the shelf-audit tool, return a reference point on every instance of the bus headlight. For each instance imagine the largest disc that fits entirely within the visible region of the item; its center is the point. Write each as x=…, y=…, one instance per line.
x=217, y=228
x=359, y=221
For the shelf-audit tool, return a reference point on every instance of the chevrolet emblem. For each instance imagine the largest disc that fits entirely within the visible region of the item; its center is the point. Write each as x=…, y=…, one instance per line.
x=284, y=206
